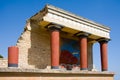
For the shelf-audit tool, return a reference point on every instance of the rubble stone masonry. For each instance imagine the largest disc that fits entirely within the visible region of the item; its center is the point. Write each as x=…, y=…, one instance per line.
x=34, y=47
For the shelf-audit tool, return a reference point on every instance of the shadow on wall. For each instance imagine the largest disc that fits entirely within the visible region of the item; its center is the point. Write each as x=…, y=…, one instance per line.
x=39, y=53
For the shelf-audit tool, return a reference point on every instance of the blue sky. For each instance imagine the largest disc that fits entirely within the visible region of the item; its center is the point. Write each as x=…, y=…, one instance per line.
x=14, y=13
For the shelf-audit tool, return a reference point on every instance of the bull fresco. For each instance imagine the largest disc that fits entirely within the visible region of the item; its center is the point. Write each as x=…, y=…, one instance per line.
x=69, y=52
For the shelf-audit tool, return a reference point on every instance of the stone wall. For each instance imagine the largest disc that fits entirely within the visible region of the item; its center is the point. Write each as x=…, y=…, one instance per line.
x=43, y=74
x=34, y=47
x=3, y=63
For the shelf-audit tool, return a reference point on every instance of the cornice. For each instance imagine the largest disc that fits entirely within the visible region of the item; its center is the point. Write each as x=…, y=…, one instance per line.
x=69, y=15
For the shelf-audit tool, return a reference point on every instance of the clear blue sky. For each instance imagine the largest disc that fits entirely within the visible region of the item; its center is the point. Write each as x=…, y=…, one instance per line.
x=14, y=13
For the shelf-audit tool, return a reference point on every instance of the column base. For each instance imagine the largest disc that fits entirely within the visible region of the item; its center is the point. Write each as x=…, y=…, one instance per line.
x=12, y=65
x=84, y=69
x=104, y=69
x=54, y=67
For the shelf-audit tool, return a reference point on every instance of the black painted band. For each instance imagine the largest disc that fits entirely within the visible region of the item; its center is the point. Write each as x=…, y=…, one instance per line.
x=83, y=68
x=12, y=65
x=54, y=67
x=104, y=69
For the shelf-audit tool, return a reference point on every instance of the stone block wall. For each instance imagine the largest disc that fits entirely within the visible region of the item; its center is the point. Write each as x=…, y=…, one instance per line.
x=34, y=47
x=3, y=63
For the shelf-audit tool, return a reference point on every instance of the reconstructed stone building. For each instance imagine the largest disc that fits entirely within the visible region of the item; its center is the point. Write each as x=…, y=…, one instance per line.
x=56, y=45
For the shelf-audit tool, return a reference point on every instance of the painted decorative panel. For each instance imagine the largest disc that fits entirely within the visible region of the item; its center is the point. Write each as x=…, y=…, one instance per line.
x=69, y=52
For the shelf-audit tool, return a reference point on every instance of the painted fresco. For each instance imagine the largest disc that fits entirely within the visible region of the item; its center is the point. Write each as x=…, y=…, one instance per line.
x=69, y=52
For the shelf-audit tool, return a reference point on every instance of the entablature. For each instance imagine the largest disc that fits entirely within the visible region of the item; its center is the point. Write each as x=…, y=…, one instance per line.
x=71, y=23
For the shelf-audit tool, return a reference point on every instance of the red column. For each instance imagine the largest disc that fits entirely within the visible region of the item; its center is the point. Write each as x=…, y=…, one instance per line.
x=83, y=52
x=13, y=56
x=55, y=47
x=104, y=55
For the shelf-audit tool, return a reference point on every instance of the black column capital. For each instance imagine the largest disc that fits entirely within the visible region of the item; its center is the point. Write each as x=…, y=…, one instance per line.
x=103, y=40
x=82, y=34
x=53, y=27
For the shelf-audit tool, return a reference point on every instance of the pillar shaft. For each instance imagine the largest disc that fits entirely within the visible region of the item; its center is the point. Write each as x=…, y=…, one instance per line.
x=55, y=46
x=104, y=55
x=83, y=52
x=55, y=49
x=13, y=56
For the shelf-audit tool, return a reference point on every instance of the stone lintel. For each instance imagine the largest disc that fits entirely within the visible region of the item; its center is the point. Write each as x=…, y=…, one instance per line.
x=51, y=9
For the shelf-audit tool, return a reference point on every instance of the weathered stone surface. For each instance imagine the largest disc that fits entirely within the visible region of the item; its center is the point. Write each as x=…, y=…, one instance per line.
x=3, y=63
x=34, y=47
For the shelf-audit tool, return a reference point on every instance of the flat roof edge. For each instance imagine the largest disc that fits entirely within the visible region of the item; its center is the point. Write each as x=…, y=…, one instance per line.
x=50, y=7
